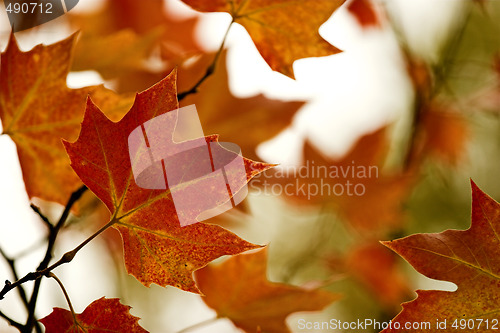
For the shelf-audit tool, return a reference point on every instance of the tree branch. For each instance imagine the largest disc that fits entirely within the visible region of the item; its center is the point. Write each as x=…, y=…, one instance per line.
x=210, y=70
x=12, y=265
x=66, y=258
x=12, y=322
x=54, y=231
x=44, y=218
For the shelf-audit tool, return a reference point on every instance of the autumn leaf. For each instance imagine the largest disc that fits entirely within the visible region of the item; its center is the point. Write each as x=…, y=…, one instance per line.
x=282, y=30
x=376, y=268
x=102, y=315
x=189, y=73
x=469, y=258
x=231, y=117
x=129, y=30
x=365, y=13
x=355, y=184
x=239, y=290
x=38, y=109
x=115, y=54
x=445, y=134
x=141, y=17
x=156, y=248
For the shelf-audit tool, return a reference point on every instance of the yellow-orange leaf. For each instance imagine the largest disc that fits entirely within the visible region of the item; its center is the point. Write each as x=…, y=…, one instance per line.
x=282, y=30
x=129, y=29
x=115, y=54
x=37, y=109
x=470, y=259
x=239, y=290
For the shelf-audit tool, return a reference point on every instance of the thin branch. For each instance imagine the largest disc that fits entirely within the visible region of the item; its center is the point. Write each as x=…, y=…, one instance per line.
x=210, y=70
x=12, y=265
x=75, y=196
x=199, y=325
x=442, y=69
x=66, y=258
x=12, y=322
x=44, y=218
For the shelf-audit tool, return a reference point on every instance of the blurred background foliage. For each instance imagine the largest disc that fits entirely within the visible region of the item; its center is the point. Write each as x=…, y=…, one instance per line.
x=313, y=245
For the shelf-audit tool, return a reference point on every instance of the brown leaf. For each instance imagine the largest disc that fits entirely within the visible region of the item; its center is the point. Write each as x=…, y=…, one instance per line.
x=470, y=259
x=282, y=30
x=38, y=109
x=365, y=13
x=239, y=290
x=157, y=249
x=355, y=184
x=377, y=269
x=102, y=315
x=445, y=134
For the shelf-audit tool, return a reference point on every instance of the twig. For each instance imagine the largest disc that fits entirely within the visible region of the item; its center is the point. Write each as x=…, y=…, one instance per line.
x=442, y=69
x=75, y=196
x=12, y=265
x=66, y=258
x=210, y=70
x=199, y=325
x=44, y=218
x=11, y=321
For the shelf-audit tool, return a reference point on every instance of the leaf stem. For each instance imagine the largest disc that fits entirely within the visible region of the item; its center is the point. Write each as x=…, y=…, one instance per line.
x=199, y=325
x=68, y=300
x=210, y=70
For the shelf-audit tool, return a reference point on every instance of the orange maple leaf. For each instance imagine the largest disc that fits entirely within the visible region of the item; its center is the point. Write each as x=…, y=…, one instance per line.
x=470, y=259
x=239, y=290
x=38, y=109
x=102, y=315
x=282, y=30
x=130, y=29
x=156, y=248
